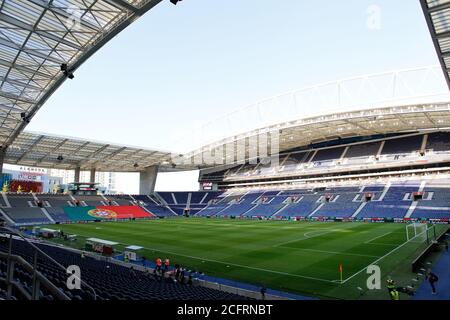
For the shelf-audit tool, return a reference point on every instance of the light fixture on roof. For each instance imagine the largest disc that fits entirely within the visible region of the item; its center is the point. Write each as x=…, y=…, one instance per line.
x=175, y=1
x=68, y=72
x=60, y=158
x=135, y=165
x=25, y=117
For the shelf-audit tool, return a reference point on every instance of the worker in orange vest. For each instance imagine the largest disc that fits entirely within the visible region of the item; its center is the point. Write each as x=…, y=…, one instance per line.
x=158, y=264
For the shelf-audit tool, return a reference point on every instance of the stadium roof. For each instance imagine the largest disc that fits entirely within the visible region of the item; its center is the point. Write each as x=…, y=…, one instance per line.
x=42, y=150
x=38, y=36
x=304, y=131
x=437, y=14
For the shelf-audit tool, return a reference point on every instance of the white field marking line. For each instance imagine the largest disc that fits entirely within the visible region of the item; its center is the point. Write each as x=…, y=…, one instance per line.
x=395, y=249
x=305, y=237
x=369, y=241
x=384, y=244
x=331, y=252
x=232, y=264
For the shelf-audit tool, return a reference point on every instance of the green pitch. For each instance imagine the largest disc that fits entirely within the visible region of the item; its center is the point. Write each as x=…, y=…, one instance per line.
x=298, y=257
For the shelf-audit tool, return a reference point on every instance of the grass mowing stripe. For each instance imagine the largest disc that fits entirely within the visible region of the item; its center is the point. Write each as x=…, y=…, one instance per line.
x=385, y=234
x=230, y=263
x=379, y=259
x=307, y=237
x=307, y=267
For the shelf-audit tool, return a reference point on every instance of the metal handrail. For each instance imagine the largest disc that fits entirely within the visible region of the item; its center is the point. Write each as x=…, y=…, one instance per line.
x=37, y=278
x=14, y=232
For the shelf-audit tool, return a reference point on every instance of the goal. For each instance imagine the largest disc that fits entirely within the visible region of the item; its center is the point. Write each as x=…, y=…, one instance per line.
x=419, y=232
x=123, y=217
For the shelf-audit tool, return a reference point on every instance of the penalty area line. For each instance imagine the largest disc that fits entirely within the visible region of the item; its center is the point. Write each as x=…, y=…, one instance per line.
x=375, y=262
x=321, y=231
x=305, y=237
x=378, y=237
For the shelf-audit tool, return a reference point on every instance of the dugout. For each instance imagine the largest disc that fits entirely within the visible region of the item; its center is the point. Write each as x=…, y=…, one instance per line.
x=46, y=232
x=104, y=247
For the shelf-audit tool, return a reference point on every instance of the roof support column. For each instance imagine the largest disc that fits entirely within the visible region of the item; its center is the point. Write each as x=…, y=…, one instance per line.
x=77, y=174
x=92, y=176
x=147, y=180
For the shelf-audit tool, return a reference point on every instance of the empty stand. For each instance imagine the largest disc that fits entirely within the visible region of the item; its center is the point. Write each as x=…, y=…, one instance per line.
x=393, y=204
x=363, y=150
x=240, y=204
x=307, y=204
x=152, y=207
x=328, y=154
x=439, y=142
x=383, y=201
x=120, y=199
x=24, y=210
x=91, y=200
x=402, y=145
x=438, y=207
x=110, y=281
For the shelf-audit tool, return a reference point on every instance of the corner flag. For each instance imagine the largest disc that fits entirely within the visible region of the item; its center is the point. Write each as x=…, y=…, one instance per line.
x=340, y=271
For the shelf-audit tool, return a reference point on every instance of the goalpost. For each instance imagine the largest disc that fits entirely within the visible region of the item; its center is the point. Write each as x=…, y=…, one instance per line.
x=420, y=232
x=123, y=217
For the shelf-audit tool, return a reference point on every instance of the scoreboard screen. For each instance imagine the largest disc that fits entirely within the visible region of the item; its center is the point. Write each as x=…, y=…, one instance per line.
x=207, y=185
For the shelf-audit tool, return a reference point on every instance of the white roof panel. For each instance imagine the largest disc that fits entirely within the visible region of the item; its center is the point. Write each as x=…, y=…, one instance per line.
x=48, y=151
x=38, y=36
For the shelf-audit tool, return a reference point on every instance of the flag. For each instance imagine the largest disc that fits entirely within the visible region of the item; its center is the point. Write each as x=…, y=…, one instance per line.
x=340, y=270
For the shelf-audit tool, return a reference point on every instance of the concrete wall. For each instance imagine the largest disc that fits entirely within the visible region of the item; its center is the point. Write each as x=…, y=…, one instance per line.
x=147, y=180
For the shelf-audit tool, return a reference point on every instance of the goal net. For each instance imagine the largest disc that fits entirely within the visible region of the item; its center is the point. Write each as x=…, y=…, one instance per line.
x=123, y=217
x=419, y=232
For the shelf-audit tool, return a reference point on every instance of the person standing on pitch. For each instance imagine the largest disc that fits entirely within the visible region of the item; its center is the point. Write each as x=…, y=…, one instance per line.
x=263, y=293
x=394, y=294
x=432, y=279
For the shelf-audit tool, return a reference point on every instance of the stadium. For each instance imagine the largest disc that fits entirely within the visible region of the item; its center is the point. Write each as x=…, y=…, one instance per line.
x=351, y=202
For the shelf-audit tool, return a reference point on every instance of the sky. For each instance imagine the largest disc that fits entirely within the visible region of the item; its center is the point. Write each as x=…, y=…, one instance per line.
x=178, y=67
